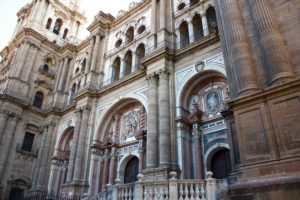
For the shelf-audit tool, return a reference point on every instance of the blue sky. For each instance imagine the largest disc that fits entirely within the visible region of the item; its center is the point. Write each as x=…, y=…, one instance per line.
x=9, y=8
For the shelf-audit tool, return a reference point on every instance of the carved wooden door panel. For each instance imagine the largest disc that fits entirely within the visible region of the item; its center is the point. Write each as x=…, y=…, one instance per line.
x=131, y=170
x=220, y=164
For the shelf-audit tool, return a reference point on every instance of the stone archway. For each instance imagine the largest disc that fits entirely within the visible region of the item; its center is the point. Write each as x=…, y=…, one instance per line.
x=220, y=163
x=131, y=170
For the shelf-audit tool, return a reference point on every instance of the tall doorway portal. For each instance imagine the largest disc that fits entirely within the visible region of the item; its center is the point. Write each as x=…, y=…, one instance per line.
x=131, y=170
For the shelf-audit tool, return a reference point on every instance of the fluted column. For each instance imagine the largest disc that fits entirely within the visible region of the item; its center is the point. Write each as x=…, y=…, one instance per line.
x=204, y=24
x=79, y=161
x=9, y=137
x=152, y=123
x=239, y=47
x=3, y=120
x=63, y=74
x=30, y=62
x=191, y=31
x=198, y=151
x=40, y=13
x=74, y=146
x=90, y=55
x=95, y=53
x=34, y=10
x=153, y=16
x=40, y=155
x=279, y=64
x=58, y=76
x=105, y=170
x=164, y=119
x=134, y=64
x=112, y=167
x=45, y=156
x=162, y=14
x=22, y=59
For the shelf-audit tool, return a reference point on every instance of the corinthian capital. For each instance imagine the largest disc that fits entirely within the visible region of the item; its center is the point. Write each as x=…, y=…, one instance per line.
x=164, y=74
x=152, y=79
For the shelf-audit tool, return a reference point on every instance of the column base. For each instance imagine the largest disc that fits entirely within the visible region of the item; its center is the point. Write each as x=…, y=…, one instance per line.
x=75, y=189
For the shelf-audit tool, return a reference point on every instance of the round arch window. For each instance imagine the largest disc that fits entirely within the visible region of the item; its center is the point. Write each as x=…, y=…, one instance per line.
x=181, y=6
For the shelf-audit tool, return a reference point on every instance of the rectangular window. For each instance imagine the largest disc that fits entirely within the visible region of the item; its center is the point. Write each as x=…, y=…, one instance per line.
x=28, y=142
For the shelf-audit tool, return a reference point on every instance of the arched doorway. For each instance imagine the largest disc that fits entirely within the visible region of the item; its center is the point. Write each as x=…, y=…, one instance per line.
x=220, y=164
x=131, y=170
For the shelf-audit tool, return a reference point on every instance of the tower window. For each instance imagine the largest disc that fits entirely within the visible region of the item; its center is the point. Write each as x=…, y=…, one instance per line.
x=65, y=33
x=141, y=29
x=49, y=22
x=38, y=100
x=28, y=142
x=46, y=68
x=57, y=26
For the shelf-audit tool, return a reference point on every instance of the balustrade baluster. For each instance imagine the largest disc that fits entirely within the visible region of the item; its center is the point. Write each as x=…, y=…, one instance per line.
x=197, y=192
x=166, y=193
x=186, y=192
x=130, y=193
x=202, y=192
x=155, y=193
x=146, y=193
x=181, y=192
x=192, y=191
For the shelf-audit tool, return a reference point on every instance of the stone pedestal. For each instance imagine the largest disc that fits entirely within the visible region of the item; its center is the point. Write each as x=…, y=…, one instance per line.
x=159, y=173
x=265, y=144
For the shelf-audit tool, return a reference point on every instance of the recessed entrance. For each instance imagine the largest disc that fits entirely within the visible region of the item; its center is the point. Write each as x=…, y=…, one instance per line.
x=131, y=170
x=220, y=164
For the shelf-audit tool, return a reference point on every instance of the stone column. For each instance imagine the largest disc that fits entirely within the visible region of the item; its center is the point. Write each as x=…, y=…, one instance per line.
x=198, y=151
x=79, y=161
x=178, y=39
x=191, y=31
x=141, y=161
x=29, y=63
x=122, y=68
x=45, y=17
x=279, y=66
x=34, y=10
x=94, y=178
x=89, y=57
x=45, y=157
x=9, y=137
x=239, y=47
x=152, y=123
x=64, y=172
x=95, y=53
x=40, y=155
x=164, y=119
x=204, y=24
x=105, y=169
x=134, y=63
x=63, y=74
x=162, y=14
x=113, y=159
x=3, y=120
x=153, y=17
x=40, y=13
x=74, y=146
x=58, y=75
x=22, y=59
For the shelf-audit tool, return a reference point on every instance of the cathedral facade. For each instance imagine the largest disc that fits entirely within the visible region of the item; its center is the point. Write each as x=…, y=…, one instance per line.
x=144, y=107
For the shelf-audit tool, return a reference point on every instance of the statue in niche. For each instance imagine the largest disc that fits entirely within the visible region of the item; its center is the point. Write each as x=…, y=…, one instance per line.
x=131, y=123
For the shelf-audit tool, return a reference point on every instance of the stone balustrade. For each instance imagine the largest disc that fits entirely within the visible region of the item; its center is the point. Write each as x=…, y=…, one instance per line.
x=172, y=189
